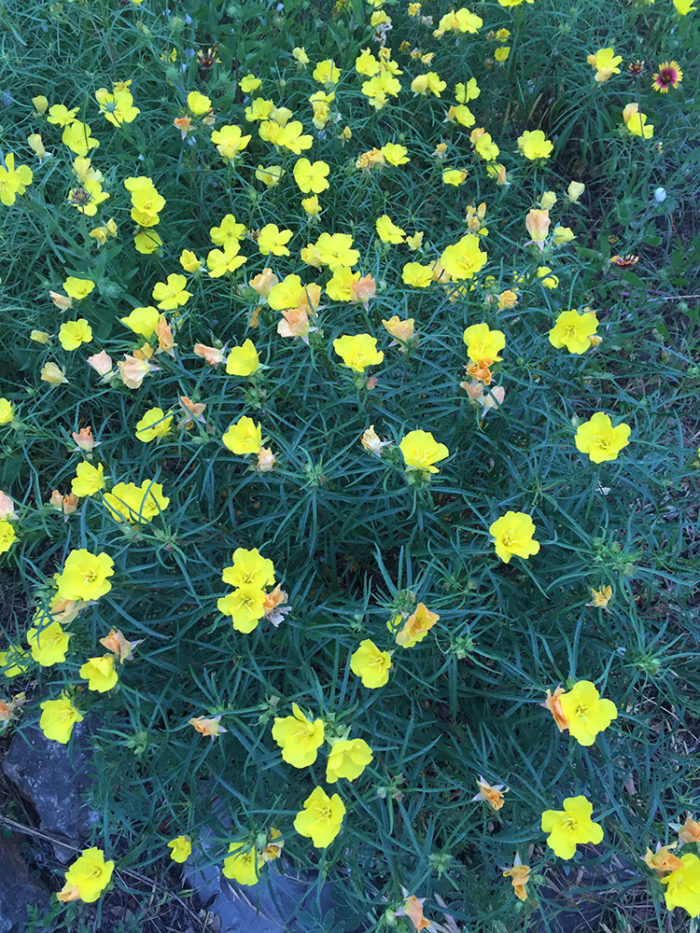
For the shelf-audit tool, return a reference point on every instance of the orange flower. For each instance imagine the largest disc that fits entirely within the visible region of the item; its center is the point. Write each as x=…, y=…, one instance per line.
x=266, y=460
x=537, y=223
x=363, y=289
x=480, y=371
x=413, y=909
x=264, y=282
x=208, y=727
x=416, y=626
x=689, y=831
x=133, y=371
x=493, y=795
x=553, y=704
x=295, y=324
x=184, y=124
x=662, y=859
x=84, y=439
x=195, y=409
x=166, y=342
x=519, y=876
x=210, y=354
x=69, y=892
x=117, y=644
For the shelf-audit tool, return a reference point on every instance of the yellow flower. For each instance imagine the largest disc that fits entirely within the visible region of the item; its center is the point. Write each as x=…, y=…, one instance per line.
x=534, y=145
x=326, y=72
x=429, y=83
x=155, y=423
x=454, y=176
x=243, y=437
x=142, y=321
x=249, y=568
x=421, y=451
x=172, y=294
x=563, y=235
x=335, y=249
x=311, y=205
x=601, y=597
x=513, y=534
x=573, y=330
x=273, y=240
x=370, y=664
x=85, y=575
x=181, y=848
x=575, y=190
x=117, y=106
x=311, y=177
x=242, y=865
x=53, y=374
x=300, y=56
x=198, y=104
x=682, y=6
x=549, y=281
x=684, y=886
x=298, y=737
x=7, y=412
x=78, y=139
x=463, y=259
x=401, y=330
x=100, y=673
x=58, y=718
x=321, y=818
x=416, y=626
x=147, y=242
x=600, y=440
x=605, y=63
x=189, y=261
x=636, y=121
x=89, y=875
x=78, y=288
x=219, y=262
x=585, y=712
x=49, y=644
x=501, y=54
x=74, y=333
x=132, y=503
x=358, y=351
x=229, y=141
x=243, y=360
x=245, y=606
x=7, y=536
x=270, y=176
x=388, y=231
x=571, y=826
x=348, y=759
x=483, y=343
x=417, y=275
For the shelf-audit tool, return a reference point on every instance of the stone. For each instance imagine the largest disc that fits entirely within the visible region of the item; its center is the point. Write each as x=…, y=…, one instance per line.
x=53, y=778
x=18, y=890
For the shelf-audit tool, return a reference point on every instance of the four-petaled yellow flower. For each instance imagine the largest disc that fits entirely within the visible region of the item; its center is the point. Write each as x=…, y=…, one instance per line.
x=513, y=534
x=321, y=819
x=100, y=673
x=85, y=575
x=421, y=451
x=683, y=885
x=243, y=437
x=87, y=877
x=600, y=440
x=311, y=177
x=298, y=737
x=484, y=343
x=571, y=826
x=49, y=644
x=243, y=360
x=58, y=718
x=534, y=145
x=154, y=424
x=181, y=848
x=348, y=759
x=358, y=351
x=573, y=331
x=585, y=712
x=242, y=864
x=370, y=664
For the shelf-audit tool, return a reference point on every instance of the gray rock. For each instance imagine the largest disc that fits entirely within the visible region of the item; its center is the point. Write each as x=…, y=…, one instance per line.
x=54, y=778
x=17, y=889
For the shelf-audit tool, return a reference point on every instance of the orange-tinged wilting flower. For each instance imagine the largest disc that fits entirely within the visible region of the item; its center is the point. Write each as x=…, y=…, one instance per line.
x=84, y=439
x=363, y=289
x=273, y=849
x=210, y=727
x=7, y=508
x=416, y=626
x=166, y=341
x=480, y=371
x=662, y=858
x=537, y=223
x=195, y=412
x=492, y=794
x=553, y=704
x=134, y=370
x=600, y=598
x=519, y=876
x=184, y=124
x=118, y=645
x=212, y=355
x=274, y=607
x=413, y=909
x=8, y=708
x=372, y=442
x=689, y=831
